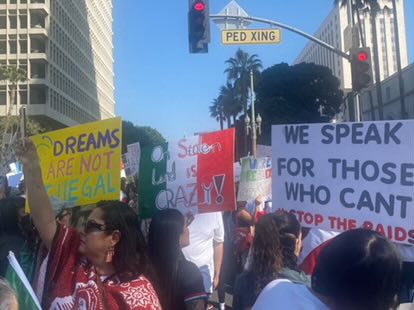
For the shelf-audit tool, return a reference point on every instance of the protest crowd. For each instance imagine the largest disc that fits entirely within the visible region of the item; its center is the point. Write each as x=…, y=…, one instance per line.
x=107, y=255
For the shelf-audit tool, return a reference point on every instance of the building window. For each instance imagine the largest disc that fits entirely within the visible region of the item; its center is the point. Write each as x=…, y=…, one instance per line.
x=13, y=45
x=3, y=96
x=23, y=21
x=388, y=93
x=3, y=45
x=38, y=69
x=38, y=94
x=3, y=20
x=23, y=96
x=13, y=21
x=23, y=46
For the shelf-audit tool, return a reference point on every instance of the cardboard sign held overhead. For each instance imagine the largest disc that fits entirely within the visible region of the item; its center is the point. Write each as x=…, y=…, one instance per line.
x=347, y=175
x=81, y=164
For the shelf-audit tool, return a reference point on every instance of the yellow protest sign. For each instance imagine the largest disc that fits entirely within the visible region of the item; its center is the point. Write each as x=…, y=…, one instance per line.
x=81, y=164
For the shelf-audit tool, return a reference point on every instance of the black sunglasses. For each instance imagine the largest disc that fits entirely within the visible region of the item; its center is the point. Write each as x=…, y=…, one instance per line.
x=92, y=226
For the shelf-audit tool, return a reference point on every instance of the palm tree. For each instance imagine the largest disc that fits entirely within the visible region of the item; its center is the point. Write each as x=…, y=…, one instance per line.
x=216, y=111
x=373, y=7
x=238, y=72
x=231, y=102
x=14, y=75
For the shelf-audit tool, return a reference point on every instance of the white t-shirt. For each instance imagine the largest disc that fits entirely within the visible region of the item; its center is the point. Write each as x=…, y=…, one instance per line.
x=283, y=294
x=204, y=230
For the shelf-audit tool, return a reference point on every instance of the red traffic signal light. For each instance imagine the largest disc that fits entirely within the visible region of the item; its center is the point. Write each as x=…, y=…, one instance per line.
x=362, y=56
x=360, y=68
x=199, y=6
x=198, y=26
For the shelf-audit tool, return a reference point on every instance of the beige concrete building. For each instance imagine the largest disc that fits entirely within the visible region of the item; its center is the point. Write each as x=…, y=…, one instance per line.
x=335, y=30
x=391, y=97
x=67, y=49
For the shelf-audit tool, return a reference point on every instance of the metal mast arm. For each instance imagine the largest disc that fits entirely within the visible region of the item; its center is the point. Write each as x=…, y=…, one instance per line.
x=287, y=27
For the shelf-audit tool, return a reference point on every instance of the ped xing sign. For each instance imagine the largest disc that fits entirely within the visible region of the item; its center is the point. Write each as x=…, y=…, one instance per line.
x=250, y=36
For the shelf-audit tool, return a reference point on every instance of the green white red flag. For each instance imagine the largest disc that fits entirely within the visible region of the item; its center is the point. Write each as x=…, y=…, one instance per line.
x=18, y=281
x=194, y=174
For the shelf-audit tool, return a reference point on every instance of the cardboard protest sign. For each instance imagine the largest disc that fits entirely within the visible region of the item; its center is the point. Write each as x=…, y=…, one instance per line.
x=255, y=178
x=131, y=160
x=134, y=153
x=81, y=164
x=126, y=165
x=194, y=174
x=347, y=175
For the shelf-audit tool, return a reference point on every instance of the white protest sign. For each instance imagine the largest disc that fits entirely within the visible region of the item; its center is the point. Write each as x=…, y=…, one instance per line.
x=134, y=153
x=347, y=175
x=255, y=178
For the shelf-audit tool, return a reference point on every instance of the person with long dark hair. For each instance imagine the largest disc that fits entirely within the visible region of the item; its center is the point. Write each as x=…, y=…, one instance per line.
x=358, y=270
x=266, y=264
x=179, y=281
x=105, y=266
x=290, y=236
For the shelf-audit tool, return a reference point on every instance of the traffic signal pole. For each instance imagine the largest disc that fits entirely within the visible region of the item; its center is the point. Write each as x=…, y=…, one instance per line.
x=284, y=26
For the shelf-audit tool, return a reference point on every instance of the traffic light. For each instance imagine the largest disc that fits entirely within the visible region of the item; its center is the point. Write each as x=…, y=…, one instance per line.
x=198, y=26
x=361, y=68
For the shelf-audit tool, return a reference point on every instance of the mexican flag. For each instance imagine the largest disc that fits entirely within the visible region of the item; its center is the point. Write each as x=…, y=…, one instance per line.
x=18, y=281
x=193, y=174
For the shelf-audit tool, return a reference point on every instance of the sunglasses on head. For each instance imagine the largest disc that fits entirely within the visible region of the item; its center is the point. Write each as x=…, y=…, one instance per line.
x=92, y=226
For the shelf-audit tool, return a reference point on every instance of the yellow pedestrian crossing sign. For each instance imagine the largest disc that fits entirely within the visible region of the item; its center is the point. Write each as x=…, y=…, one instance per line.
x=250, y=36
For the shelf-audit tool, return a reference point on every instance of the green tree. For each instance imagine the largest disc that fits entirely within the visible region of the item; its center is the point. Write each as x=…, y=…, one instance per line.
x=145, y=135
x=216, y=111
x=296, y=94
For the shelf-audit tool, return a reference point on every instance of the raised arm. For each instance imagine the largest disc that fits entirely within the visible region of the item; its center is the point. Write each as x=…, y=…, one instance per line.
x=40, y=206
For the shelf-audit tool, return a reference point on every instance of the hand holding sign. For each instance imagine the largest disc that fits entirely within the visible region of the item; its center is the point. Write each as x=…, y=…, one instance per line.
x=27, y=154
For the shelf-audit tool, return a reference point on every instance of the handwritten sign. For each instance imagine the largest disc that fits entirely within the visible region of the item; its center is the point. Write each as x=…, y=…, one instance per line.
x=347, y=175
x=255, y=178
x=81, y=164
x=195, y=175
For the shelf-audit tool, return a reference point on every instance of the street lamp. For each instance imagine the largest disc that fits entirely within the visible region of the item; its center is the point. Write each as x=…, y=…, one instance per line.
x=254, y=124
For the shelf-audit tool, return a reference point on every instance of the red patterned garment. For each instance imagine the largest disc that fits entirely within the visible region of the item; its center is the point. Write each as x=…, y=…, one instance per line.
x=71, y=282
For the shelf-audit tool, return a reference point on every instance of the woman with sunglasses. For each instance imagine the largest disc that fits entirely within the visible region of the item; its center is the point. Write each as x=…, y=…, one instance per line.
x=104, y=267
x=180, y=281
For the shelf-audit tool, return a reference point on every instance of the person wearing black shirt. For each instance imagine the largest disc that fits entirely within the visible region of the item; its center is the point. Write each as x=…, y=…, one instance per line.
x=180, y=284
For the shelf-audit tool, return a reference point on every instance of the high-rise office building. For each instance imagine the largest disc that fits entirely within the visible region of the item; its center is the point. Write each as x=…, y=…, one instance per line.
x=336, y=31
x=66, y=48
